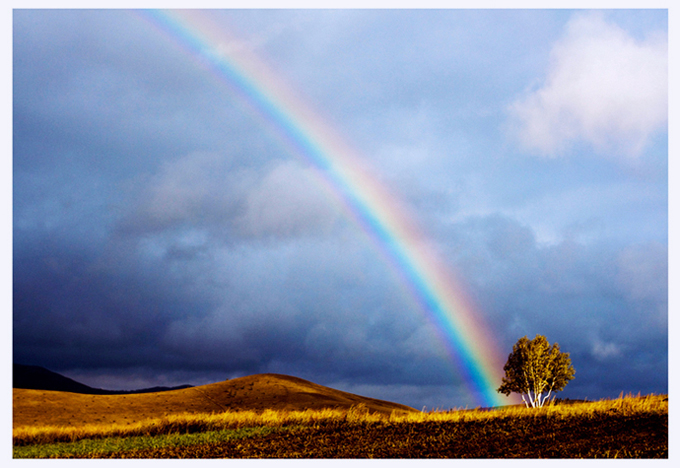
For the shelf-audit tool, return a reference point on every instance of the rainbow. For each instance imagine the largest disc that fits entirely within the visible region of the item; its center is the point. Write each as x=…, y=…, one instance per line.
x=467, y=340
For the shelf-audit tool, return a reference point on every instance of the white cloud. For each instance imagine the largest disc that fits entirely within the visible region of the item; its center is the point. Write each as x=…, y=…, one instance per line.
x=182, y=186
x=281, y=200
x=199, y=187
x=603, y=87
x=288, y=201
x=603, y=351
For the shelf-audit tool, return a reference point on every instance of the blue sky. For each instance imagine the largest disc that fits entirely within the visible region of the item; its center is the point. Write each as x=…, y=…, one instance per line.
x=162, y=236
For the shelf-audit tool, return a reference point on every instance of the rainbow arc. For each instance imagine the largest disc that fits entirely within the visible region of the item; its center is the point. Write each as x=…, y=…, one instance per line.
x=467, y=340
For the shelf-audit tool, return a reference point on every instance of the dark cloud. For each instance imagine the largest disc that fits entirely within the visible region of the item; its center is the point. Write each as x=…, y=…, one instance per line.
x=606, y=305
x=163, y=235
x=68, y=310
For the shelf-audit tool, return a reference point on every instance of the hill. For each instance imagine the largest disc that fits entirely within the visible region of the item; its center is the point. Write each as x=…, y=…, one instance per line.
x=256, y=392
x=39, y=378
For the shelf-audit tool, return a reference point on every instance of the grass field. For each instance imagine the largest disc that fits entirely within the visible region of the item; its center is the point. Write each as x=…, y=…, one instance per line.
x=627, y=427
x=40, y=408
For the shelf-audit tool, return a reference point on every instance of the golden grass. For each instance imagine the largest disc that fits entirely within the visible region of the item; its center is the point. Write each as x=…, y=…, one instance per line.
x=357, y=414
x=178, y=423
x=41, y=408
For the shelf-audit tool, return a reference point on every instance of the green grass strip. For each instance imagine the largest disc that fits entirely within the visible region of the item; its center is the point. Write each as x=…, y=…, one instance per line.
x=90, y=447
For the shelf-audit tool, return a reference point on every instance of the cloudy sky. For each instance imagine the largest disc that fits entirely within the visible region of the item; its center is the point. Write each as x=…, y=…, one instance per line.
x=163, y=234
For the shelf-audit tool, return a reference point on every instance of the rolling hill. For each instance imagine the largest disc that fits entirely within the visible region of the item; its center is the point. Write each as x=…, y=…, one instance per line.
x=34, y=407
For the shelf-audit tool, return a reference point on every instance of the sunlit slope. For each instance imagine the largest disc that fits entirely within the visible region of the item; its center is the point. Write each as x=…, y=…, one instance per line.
x=255, y=392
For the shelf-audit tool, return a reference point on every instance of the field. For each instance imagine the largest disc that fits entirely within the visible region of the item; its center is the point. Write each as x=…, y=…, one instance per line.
x=336, y=425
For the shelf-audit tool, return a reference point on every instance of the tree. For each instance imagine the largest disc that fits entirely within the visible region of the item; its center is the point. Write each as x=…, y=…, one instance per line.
x=535, y=368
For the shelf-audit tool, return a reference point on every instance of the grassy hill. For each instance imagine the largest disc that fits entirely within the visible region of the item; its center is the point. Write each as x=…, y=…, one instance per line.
x=256, y=392
x=279, y=416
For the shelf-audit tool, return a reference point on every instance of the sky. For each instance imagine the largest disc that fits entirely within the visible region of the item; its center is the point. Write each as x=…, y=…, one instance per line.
x=163, y=233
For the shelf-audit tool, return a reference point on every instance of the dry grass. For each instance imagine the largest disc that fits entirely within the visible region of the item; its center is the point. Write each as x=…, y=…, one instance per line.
x=41, y=408
x=284, y=417
x=184, y=423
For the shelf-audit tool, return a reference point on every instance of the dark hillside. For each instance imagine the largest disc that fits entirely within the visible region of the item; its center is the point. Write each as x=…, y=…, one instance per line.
x=39, y=378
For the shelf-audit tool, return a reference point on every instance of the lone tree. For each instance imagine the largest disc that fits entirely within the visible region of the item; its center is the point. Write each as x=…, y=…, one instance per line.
x=535, y=368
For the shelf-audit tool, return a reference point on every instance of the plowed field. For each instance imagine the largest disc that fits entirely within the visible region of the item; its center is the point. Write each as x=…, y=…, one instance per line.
x=610, y=436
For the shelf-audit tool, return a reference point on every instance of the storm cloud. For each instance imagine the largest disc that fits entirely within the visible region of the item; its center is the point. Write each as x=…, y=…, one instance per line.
x=163, y=236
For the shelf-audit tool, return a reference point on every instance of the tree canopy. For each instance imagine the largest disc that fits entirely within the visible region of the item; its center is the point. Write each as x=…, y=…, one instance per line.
x=535, y=370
